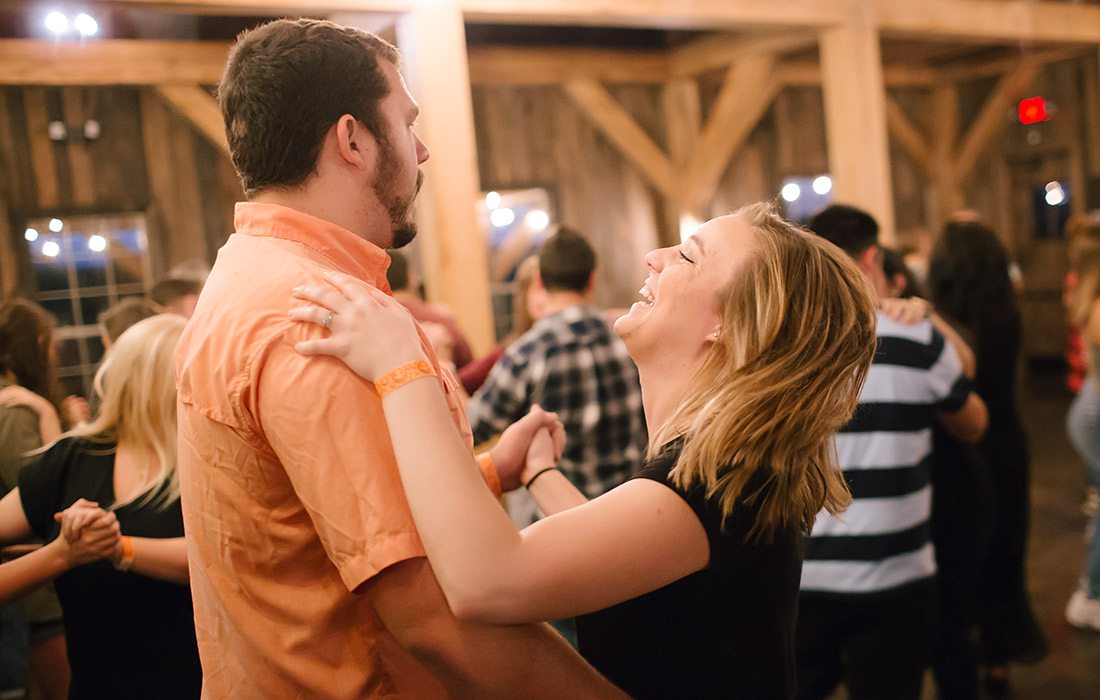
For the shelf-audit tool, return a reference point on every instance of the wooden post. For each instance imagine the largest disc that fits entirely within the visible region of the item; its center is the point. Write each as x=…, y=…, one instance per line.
x=683, y=122
x=948, y=196
x=1091, y=119
x=432, y=39
x=855, y=119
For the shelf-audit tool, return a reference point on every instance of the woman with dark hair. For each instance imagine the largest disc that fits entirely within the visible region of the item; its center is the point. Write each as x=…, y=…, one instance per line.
x=969, y=282
x=30, y=418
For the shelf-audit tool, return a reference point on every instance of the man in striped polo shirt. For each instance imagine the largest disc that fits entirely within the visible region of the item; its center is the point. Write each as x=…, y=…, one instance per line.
x=865, y=612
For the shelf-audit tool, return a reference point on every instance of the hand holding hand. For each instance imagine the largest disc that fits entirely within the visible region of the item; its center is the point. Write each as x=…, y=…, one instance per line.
x=88, y=533
x=542, y=454
x=510, y=452
x=369, y=331
x=74, y=410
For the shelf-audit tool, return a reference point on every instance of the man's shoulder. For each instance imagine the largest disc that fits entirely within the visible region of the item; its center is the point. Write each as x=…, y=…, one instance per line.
x=915, y=345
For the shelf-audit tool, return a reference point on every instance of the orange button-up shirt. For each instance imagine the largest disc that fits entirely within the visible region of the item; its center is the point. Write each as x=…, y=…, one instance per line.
x=290, y=492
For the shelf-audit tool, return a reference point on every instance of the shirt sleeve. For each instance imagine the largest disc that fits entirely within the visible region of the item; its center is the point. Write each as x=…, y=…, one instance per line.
x=18, y=436
x=503, y=399
x=326, y=427
x=41, y=488
x=949, y=385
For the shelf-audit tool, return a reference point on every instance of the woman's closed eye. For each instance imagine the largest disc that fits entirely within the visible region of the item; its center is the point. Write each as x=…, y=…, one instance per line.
x=686, y=258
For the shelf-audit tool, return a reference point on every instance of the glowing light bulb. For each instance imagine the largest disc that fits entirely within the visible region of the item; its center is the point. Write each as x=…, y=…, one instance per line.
x=56, y=225
x=97, y=244
x=85, y=24
x=791, y=192
x=57, y=22
x=51, y=249
x=537, y=220
x=823, y=184
x=502, y=217
x=31, y=234
x=492, y=200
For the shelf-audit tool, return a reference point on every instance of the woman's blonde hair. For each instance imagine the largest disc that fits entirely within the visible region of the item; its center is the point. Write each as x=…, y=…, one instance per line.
x=797, y=337
x=137, y=388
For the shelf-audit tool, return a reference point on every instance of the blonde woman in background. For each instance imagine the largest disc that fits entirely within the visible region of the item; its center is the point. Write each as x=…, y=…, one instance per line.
x=121, y=574
x=752, y=341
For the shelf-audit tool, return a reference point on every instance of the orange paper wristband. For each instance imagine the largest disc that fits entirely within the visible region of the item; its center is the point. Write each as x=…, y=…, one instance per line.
x=127, y=559
x=489, y=472
x=401, y=375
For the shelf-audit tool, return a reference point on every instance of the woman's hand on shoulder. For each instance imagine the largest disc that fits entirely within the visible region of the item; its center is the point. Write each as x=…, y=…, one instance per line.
x=15, y=395
x=369, y=331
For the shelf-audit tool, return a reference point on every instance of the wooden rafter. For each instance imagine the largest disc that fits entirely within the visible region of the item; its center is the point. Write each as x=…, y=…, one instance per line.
x=959, y=72
x=808, y=74
x=909, y=137
x=600, y=107
x=991, y=20
x=506, y=65
x=967, y=20
x=111, y=62
x=991, y=118
x=198, y=107
x=720, y=51
x=746, y=94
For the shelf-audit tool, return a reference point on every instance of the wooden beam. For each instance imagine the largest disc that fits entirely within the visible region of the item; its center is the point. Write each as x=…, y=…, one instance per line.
x=455, y=252
x=506, y=65
x=991, y=20
x=723, y=50
x=669, y=14
x=198, y=107
x=945, y=138
x=600, y=108
x=746, y=94
x=79, y=150
x=1091, y=116
x=855, y=121
x=111, y=62
x=991, y=119
x=42, y=149
x=808, y=74
x=909, y=137
x=683, y=119
x=959, y=72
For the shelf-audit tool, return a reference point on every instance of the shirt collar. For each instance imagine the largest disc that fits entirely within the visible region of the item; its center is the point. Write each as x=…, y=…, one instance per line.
x=346, y=251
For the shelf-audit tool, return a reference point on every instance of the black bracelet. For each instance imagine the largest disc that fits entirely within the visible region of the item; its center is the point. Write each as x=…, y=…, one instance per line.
x=538, y=474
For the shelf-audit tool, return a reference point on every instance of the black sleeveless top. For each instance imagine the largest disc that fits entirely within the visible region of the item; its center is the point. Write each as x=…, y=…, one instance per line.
x=724, y=632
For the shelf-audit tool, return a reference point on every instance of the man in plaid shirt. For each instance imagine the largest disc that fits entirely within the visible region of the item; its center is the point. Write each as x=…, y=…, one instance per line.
x=570, y=362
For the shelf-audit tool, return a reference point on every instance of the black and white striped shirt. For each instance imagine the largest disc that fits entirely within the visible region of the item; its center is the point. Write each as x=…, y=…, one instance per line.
x=882, y=541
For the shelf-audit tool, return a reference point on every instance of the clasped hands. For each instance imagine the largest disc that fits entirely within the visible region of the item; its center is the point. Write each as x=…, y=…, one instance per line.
x=88, y=533
x=527, y=446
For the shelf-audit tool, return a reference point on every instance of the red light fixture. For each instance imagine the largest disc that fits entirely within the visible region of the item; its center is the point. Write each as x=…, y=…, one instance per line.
x=1033, y=110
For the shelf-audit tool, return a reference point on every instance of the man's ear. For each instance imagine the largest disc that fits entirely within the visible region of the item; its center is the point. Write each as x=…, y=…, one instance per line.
x=868, y=260
x=353, y=142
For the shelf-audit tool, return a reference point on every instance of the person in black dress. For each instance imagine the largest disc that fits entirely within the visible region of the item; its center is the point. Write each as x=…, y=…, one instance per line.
x=120, y=570
x=752, y=342
x=969, y=283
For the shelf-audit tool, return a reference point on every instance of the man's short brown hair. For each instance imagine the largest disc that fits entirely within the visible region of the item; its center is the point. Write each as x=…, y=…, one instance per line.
x=286, y=83
x=566, y=261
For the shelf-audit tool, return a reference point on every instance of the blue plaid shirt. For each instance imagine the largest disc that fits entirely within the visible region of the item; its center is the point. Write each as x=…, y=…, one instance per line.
x=571, y=362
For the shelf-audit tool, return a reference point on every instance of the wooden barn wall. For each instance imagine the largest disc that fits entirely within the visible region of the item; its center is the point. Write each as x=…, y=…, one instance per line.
x=147, y=159
x=534, y=137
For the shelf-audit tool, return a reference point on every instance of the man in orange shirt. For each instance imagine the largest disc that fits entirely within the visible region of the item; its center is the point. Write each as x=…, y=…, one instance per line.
x=308, y=575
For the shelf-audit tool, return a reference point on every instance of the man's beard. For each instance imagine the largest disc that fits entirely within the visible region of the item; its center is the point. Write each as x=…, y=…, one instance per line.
x=401, y=214
x=399, y=209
